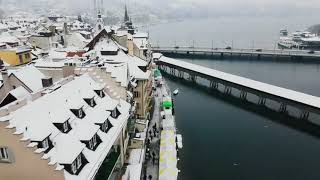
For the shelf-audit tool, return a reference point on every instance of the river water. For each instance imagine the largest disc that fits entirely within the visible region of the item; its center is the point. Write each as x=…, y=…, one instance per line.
x=225, y=140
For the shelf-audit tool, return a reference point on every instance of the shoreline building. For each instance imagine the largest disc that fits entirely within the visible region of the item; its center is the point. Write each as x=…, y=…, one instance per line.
x=74, y=131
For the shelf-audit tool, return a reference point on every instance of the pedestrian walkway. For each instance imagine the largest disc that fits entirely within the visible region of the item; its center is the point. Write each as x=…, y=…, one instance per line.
x=152, y=155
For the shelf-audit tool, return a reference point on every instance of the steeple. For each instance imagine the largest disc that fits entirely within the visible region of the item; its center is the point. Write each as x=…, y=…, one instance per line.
x=100, y=23
x=126, y=16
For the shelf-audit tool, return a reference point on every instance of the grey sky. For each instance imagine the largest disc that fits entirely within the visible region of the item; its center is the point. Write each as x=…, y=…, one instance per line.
x=199, y=8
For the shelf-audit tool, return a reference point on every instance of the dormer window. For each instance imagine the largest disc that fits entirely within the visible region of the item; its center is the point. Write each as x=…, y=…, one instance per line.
x=93, y=142
x=91, y=102
x=115, y=113
x=45, y=144
x=65, y=127
x=79, y=113
x=79, y=162
x=105, y=126
x=100, y=93
x=76, y=164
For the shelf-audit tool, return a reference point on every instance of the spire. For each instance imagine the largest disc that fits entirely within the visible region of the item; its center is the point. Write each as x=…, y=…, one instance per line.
x=126, y=16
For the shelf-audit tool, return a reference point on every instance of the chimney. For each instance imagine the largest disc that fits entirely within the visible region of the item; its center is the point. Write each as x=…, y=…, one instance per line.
x=47, y=82
x=65, y=32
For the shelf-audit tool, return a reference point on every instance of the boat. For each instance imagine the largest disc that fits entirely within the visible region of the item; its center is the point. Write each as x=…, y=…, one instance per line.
x=176, y=92
x=299, y=40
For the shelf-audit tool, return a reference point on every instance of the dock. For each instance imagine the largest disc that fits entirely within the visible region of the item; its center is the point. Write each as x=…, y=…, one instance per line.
x=232, y=52
x=239, y=86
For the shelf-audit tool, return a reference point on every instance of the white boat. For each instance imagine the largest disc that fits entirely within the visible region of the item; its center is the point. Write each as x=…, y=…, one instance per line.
x=176, y=92
x=299, y=40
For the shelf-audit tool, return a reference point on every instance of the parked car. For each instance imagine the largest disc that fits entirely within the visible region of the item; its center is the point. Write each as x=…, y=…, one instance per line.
x=258, y=50
x=228, y=47
x=176, y=47
x=311, y=52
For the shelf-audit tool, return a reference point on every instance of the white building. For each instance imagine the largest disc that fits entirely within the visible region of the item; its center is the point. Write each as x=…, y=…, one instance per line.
x=76, y=127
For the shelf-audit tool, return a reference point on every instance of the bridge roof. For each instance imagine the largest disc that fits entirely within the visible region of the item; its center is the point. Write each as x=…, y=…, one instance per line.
x=249, y=83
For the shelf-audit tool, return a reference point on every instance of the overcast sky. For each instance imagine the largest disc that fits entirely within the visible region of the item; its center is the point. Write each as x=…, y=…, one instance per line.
x=202, y=8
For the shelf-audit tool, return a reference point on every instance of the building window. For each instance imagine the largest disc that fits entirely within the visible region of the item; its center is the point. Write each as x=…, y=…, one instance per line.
x=90, y=144
x=92, y=103
x=74, y=167
x=26, y=56
x=79, y=162
x=105, y=126
x=80, y=113
x=4, y=153
x=45, y=144
x=20, y=59
x=94, y=140
x=65, y=126
x=100, y=93
x=114, y=113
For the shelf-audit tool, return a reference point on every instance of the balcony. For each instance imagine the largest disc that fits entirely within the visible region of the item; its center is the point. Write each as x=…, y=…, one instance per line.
x=108, y=166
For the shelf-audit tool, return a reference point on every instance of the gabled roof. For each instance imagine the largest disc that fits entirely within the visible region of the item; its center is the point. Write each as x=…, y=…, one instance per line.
x=29, y=76
x=36, y=122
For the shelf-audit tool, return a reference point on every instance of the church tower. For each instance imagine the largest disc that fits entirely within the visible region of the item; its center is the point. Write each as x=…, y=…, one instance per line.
x=100, y=24
x=126, y=15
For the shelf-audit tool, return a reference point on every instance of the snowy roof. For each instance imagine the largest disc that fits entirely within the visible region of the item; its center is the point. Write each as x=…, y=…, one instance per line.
x=106, y=45
x=302, y=98
x=35, y=121
x=57, y=54
x=19, y=92
x=30, y=76
x=141, y=35
x=66, y=155
x=141, y=43
x=8, y=38
x=85, y=130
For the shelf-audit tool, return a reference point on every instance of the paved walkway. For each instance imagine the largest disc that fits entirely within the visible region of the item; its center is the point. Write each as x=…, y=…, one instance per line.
x=152, y=164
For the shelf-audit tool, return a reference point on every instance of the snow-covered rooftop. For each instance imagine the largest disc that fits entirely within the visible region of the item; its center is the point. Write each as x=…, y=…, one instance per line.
x=30, y=76
x=36, y=121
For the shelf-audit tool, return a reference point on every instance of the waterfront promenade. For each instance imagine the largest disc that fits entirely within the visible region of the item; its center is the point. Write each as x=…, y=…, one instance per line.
x=154, y=147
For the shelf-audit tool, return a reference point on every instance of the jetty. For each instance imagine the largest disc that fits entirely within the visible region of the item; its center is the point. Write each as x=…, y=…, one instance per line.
x=239, y=86
x=290, y=54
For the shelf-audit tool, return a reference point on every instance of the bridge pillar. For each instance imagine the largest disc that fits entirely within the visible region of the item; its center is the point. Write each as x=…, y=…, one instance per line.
x=262, y=101
x=172, y=71
x=304, y=115
x=259, y=56
x=283, y=108
x=214, y=85
x=181, y=74
x=243, y=95
x=227, y=90
x=193, y=78
x=222, y=55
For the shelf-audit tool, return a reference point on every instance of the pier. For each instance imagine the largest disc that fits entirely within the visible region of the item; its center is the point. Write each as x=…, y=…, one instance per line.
x=232, y=52
x=264, y=94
